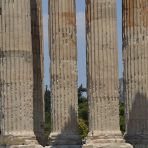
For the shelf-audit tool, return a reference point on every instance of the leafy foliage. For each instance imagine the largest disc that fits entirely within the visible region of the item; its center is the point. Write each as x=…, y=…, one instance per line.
x=47, y=126
x=122, y=117
x=83, y=112
x=47, y=100
x=83, y=104
x=83, y=128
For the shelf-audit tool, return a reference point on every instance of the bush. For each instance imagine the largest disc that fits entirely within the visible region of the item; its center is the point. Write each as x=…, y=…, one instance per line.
x=83, y=128
x=47, y=126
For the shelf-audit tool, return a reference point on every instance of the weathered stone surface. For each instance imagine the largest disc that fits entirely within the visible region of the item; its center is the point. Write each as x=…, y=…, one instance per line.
x=16, y=69
x=17, y=59
x=17, y=140
x=102, y=72
x=135, y=59
x=61, y=139
x=108, y=145
x=140, y=146
x=63, y=56
x=65, y=146
x=21, y=146
x=102, y=68
x=38, y=70
x=39, y=146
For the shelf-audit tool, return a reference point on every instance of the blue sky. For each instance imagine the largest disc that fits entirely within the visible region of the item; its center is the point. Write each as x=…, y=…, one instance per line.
x=80, y=42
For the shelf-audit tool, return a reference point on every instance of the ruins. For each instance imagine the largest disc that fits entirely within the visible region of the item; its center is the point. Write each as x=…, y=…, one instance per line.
x=38, y=70
x=102, y=74
x=135, y=44
x=63, y=64
x=22, y=73
x=16, y=73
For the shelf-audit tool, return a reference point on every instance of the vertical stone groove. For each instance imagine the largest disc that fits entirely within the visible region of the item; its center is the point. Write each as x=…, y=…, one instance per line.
x=63, y=68
x=135, y=58
x=102, y=71
x=38, y=68
x=16, y=73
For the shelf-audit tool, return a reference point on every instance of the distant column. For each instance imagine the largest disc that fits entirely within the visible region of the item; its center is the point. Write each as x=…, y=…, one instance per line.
x=16, y=73
x=63, y=56
x=37, y=47
x=135, y=59
x=102, y=75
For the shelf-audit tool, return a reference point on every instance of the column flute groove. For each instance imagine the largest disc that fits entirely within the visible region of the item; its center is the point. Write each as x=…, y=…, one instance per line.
x=102, y=75
x=135, y=58
x=16, y=74
x=38, y=68
x=63, y=55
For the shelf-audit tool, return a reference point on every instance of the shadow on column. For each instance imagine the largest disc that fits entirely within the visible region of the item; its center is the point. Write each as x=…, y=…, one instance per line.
x=37, y=50
x=1, y=113
x=137, y=124
x=69, y=134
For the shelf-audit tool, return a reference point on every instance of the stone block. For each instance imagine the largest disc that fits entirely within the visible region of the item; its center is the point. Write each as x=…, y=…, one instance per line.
x=21, y=146
x=108, y=145
x=141, y=146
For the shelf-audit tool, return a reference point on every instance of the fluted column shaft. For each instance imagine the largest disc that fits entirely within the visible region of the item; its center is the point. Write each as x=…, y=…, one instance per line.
x=38, y=66
x=16, y=72
x=135, y=58
x=63, y=56
x=102, y=71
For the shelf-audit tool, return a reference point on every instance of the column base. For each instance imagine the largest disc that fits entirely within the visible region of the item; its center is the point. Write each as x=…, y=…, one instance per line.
x=105, y=137
x=106, y=140
x=108, y=145
x=42, y=140
x=21, y=146
x=65, y=146
x=140, y=146
x=64, y=139
x=138, y=141
x=18, y=140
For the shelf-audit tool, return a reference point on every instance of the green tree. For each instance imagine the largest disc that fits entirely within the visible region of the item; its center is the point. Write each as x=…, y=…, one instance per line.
x=83, y=111
x=122, y=117
x=83, y=128
x=81, y=90
x=47, y=100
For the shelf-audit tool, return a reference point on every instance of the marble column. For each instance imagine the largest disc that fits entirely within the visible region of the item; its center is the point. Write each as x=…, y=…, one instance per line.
x=16, y=73
x=63, y=69
x=37, y=48
x=102, y=75
x=135, y=59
